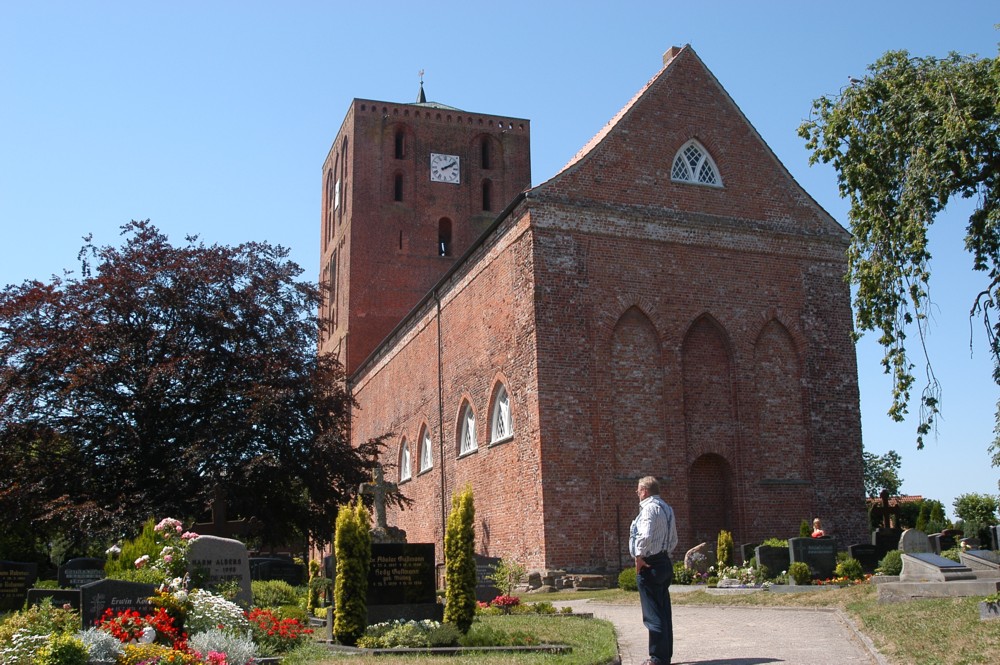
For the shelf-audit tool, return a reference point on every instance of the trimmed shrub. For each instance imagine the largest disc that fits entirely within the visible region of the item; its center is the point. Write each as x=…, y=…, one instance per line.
x=353, y=547
x=851, y=569
x=144, y=544
x=627, y=579
x=681, y=574
x=63, y=650
x=891, y=563
x=460, y=564
x=799, y=572
x=804, y=529
x=273, y=593
x=775, y=542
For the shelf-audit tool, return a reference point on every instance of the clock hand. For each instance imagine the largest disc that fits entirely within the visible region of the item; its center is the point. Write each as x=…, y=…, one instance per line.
x=447, y=166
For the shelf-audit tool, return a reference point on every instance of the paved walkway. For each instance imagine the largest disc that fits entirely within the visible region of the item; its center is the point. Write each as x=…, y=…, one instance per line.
x=725, y=635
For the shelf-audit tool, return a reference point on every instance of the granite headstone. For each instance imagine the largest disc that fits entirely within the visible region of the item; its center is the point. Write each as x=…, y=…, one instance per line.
x=775, y=559
x=401, y=583
x=820, y=554
x=885, y=540
x=77, y=572
x=59, y=597
x=116, y=595
x=277, y=568
x=486, y=589
x=220, y=560
x=914, y=541
x=15, y=580
x=866, y=555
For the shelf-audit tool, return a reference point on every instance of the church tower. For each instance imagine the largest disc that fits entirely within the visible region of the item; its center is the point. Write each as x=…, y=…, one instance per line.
x=407, y=189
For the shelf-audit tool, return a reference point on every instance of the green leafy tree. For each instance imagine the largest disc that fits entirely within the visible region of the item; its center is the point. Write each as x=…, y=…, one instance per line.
x=160, y=373
x=904, y=140
x=881, y=472
x=975, y=507
x=460, y=563
x=353, y=549
x=507, y=575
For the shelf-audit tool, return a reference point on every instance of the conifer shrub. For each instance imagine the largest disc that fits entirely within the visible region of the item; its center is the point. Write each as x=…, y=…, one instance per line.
x=724, y=547
x=804, y=529
x=851, y=569
x=460, y=565
x=122, y=565
x=273, y=593
x=352, y=544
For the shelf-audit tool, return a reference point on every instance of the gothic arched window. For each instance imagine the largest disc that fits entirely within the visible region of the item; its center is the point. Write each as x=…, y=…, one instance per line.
x=426, y=456
x=467, y=431
x=502, y=423
x=404, y=461
x=693, y=164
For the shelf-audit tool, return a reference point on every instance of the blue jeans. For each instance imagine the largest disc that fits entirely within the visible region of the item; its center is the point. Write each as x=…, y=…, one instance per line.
x=654, y=596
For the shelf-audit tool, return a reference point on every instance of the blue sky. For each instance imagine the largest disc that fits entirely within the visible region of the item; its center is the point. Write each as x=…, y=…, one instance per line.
x=214, y=118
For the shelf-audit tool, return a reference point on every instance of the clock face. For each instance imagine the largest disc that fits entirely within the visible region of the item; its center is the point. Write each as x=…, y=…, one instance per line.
x=445, y=168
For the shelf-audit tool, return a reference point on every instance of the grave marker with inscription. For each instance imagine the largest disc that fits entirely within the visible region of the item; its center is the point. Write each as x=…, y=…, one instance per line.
x=15, y=580
x=486, y=589
x=820, y=554
x=77, y=572
x=914, y=542
x=930, y=567
x=401, y=583
x=116, y=595
x=59, y=597
x=866, y=555
x=221, y=560
x=277, y=568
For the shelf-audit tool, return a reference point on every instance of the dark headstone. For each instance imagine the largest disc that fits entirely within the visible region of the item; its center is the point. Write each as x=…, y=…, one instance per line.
x=866, y=555
x=77, y=572
x=221, y=560
x=885, y=540
x=947, y=540
x=59, y=597
x=486, y=589
x=775, y=559
x=116, y=595
x=330, y=566
x=747, y=551
x=995, y=536
x=820, y=554
x=934, y=539
x=277, y=568
x=401, y=583
x=15, y=580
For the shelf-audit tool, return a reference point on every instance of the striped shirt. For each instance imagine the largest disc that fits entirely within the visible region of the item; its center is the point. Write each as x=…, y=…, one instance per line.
x=653, y=530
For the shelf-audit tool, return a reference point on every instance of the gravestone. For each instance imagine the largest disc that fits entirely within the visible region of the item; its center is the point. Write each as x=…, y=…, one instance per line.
x=930, y=567
x=221, y=560
x=995, y=536
x=934, y=540
x=277, y=568
x=775, y=559
x=866, y=555
x=971, y=543
x=116, y=595
x=15, y=580
x=77, y=572
x=747, y=551
x=914, y=542
x=885, y=540
x=949, y=539
x=401, y=583
x=486, y=589
x=820, y=554
x=59, y=597
x=984, y=560
x=699, y=558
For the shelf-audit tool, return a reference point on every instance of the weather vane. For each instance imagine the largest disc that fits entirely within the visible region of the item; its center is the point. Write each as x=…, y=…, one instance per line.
x=421, y=77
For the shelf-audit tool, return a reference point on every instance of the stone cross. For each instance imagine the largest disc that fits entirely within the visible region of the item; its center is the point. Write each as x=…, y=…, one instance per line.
x=379, y=489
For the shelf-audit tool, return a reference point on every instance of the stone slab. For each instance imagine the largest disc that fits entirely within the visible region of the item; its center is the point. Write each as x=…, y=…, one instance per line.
x=775, y=559
x=986, y=560
x=59, y=597
x=116, y=595
x=928, y=567
x=989, y=611
x=892, y=592
x=820, y=554
x=77, y=572
x=15, y=579
x=401, y=574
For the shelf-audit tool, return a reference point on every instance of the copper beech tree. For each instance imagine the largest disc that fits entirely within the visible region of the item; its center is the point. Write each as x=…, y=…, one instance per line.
x=159, y=373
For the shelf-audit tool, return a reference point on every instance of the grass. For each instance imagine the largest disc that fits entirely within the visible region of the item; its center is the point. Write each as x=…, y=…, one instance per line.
x=592, y=640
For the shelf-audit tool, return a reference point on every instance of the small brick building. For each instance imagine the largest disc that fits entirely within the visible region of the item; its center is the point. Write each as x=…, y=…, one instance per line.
x=670, y=303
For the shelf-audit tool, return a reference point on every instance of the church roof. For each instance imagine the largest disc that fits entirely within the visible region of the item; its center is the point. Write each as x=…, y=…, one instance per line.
x=630, y=161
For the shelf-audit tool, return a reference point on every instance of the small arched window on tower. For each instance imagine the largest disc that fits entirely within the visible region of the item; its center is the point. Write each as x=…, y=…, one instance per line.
x=426, y=452
x=404, y=461
x=485, y=153
x=693, y=164
x=487, y=195
x=444, y=237
x=397, y=187
x=400, y=144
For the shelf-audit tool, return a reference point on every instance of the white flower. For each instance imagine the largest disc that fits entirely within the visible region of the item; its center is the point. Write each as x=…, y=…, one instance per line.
x=114, y=550
x=148, y=635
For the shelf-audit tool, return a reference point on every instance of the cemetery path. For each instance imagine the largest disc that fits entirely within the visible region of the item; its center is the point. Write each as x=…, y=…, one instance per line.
x=725, y=635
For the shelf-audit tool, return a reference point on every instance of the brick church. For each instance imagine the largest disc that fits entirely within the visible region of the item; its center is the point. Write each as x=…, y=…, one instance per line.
x=670, y=303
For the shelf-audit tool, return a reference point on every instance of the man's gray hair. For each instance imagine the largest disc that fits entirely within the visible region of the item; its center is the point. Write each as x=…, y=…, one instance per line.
x=650, y=484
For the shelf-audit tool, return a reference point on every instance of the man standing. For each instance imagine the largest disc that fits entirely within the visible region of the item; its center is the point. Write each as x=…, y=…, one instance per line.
x=652, y=537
